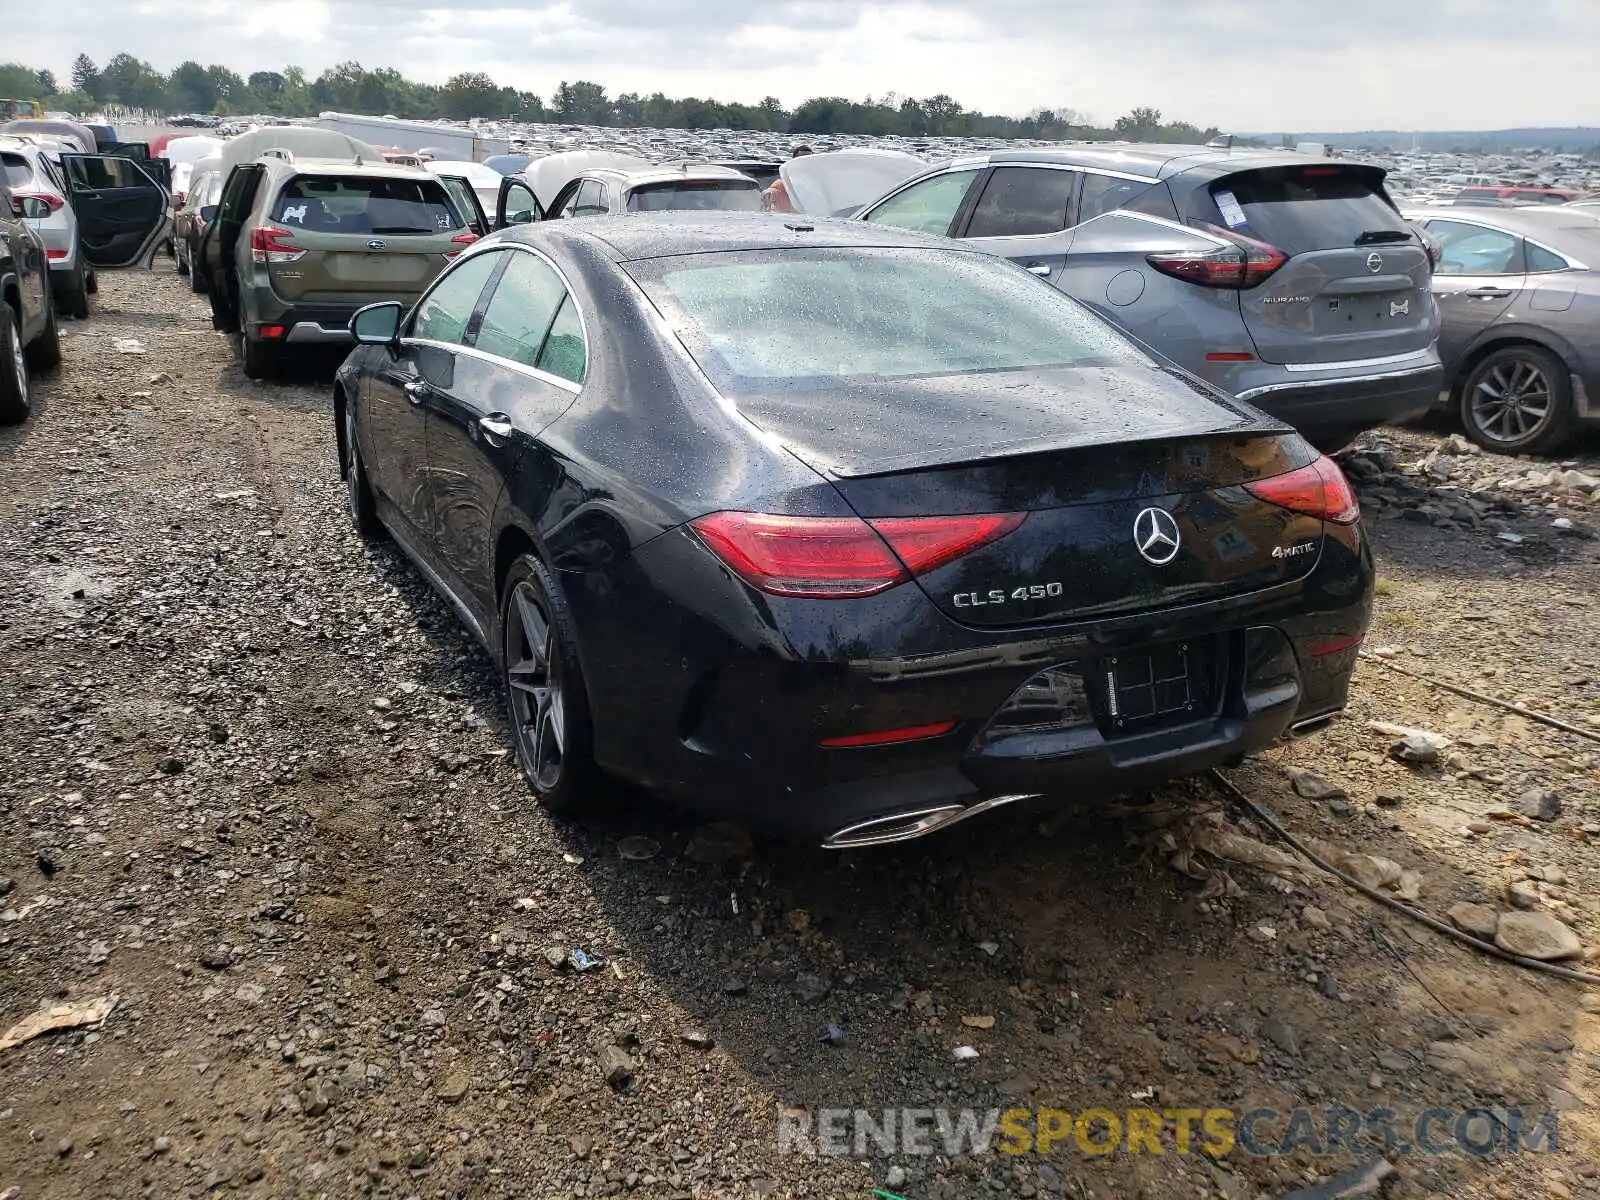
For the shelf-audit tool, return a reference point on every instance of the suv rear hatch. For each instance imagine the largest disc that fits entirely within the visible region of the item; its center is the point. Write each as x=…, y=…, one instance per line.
x=354, y=235
x=1355, y=283
x=696, y=195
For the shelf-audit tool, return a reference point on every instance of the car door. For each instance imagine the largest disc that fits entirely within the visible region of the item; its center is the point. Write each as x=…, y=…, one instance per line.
x=516, y=205
x=1480, y=273
x=524, y=366
x=1023, y=213
x=220, y=241
x=565, y=202
x=122, y=211
x=931, y=204
x=157, y=168
x=460, y=190
x=26, y=251
x=397, y=393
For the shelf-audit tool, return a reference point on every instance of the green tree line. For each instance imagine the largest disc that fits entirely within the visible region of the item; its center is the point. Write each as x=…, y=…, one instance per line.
x=130, y=83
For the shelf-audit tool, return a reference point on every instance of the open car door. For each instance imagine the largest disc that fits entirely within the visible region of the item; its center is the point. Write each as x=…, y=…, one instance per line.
x=122, y=210
x=516, y=204
x=839, y=183
x=159, y=169
x=221, y=238
x=467, y=201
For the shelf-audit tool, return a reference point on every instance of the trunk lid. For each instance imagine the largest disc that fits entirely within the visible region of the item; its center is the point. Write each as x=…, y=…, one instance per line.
x=1356, y=283
x=361, y=235
x=1101, y=524
x=838, y=183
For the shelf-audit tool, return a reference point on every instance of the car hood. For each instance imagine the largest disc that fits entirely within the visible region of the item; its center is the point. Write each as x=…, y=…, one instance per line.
x=840, y=182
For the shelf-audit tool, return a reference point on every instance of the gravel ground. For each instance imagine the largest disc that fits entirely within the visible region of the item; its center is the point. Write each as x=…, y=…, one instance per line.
x=254, y=784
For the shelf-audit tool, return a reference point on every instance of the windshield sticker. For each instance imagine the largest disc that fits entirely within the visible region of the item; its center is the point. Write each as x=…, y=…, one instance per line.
x=296, y=214
x=1231, y=212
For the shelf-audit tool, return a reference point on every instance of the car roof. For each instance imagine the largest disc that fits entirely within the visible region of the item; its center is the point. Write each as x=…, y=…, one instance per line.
x=1526, y=222
x=661, y=235
x=1159, y=161
x=704, y=172
x=377, y=170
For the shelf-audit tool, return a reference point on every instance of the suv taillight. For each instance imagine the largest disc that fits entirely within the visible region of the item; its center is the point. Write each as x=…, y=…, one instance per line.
x=49, y=199
x=463, y=240
x=1241, y=264
x=267, y=245
x=1316, y=490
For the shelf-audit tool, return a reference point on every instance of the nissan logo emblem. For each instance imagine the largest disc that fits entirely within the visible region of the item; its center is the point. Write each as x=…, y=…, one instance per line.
x=1155, y=535
x=1374, y=262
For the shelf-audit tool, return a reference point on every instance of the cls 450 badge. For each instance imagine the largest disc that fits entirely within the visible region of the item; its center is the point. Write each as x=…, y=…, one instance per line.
x=1018, y=595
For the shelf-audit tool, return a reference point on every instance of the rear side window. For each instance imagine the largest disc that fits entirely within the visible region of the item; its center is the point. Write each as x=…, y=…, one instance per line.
x=107, y=173
x=1473, y=250
x=1023, y=201
x=18, y=172
x=1540, y=259
x=926, y=207
x=708, y=195
x=1298, y=209
x=1106, y=193
x=361, y=204
x=519, y=313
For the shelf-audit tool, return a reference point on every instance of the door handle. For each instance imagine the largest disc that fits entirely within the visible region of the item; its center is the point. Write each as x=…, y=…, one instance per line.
x=496, y=425
x=1039, y=268
x=1488, y=293
x=416, y=390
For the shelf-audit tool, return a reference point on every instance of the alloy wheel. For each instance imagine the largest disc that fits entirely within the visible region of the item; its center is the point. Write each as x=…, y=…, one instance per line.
x=19, y=364
x=1512, y=401
x=533, y=676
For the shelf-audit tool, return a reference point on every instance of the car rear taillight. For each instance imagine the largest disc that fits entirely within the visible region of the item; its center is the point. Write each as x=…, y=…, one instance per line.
x=1243, y=263
x=463, y=240
x=1317, y=490
x=50, y=200
x=55, y=255
x=835, y=558
x=267, y=245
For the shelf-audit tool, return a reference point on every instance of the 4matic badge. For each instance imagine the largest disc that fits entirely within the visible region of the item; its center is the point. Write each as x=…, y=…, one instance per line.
x=1295, y=550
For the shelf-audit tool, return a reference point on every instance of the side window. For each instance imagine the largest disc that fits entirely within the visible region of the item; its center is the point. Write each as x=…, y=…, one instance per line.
x=591, y=200
x=564, y=353
x=521, y=204
x=521, y=310
x=1105, y=193
x=1473, y=250
x=445, y=312
x=1023, y=201
x=1540, y=259
x=926, y=207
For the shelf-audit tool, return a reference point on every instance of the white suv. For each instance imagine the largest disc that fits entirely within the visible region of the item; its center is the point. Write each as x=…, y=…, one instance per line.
x=35, y=179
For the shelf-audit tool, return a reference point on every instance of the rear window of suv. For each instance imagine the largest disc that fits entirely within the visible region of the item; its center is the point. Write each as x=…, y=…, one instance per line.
x=18, y=172
x=1300, y=208
x=737, y=195
x=363, y=204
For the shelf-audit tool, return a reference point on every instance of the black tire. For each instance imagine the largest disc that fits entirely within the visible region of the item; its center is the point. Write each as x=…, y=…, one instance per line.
x=92, y=283
x=547, y=704
x=1518, y=400
x=72, y=297
x=359, y=499
x=197, y=279
x=183, y=267
x=262, y=360
x=14, y=400
x=44, y=352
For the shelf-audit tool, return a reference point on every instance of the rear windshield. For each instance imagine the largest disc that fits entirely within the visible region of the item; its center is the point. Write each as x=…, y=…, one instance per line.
x=1298, y=209
x=361, y=204
x=18, y=172
x=737, y=195
x=757, y=318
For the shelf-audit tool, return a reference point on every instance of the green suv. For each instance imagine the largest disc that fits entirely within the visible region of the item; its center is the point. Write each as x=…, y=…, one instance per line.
x=296, y=247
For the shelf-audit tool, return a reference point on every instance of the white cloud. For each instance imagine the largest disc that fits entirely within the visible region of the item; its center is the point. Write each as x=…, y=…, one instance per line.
x=1239, y=64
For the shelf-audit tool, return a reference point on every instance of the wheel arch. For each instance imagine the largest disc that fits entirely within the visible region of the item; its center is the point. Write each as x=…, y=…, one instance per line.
x=1508, y=339
x=11, y=294
x=340, y=404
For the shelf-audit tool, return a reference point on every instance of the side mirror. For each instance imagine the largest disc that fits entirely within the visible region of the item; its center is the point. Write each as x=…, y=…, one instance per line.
x=208, y=212
x=31, y=207
x=523, y=216
x=376, y=324
x=176, y=200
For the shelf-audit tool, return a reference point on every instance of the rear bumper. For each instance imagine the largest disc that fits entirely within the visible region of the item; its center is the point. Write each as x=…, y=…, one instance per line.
x=738, y=727
x=306, y=325
x=1349, y=402
x=313, y=333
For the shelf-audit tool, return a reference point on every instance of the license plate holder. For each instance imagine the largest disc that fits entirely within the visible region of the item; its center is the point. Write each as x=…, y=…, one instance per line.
x=1160, y=686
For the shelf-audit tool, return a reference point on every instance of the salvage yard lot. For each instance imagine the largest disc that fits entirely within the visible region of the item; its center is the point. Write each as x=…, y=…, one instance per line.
x=255, y=784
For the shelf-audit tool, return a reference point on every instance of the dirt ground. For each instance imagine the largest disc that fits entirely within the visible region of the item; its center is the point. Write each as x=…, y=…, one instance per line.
x=255, y=785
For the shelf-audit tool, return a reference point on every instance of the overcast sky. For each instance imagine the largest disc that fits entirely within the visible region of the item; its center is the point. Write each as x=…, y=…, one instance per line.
x=1238, y=64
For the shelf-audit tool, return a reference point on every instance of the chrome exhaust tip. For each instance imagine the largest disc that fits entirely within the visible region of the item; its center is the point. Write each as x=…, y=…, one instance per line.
x=904, y=827
x=1311, y=724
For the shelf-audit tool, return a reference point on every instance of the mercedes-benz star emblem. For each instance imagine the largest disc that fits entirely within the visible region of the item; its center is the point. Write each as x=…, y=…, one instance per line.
x=1374, y=262
x=1156, y=536
x=376, y=244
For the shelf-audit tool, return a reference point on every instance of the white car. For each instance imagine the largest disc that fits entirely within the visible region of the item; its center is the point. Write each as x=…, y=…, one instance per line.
x=485, y=181
x=34, y=178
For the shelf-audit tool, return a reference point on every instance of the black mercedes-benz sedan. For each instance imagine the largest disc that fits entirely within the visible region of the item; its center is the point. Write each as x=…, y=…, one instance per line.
x=842, y=531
